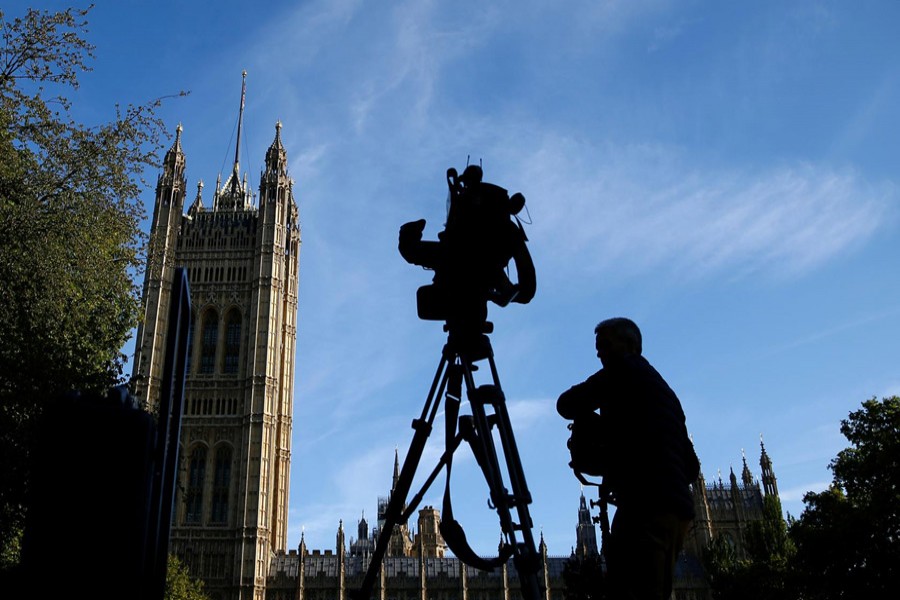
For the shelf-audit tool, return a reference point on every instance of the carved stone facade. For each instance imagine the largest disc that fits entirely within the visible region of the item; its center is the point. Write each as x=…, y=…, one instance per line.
x=722, y=510
x=421, y=571
x=305, y=574
x=231, y=505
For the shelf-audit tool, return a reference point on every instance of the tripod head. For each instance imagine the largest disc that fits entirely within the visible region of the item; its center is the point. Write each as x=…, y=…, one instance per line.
x=468, y=339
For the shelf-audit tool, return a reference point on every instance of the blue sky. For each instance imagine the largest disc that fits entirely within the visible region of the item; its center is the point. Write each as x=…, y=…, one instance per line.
x=726, y=174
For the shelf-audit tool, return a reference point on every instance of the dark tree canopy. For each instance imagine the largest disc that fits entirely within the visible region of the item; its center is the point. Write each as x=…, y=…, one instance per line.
x=70, y=238
x=584, y=578
x=846, y=544
x=848, y=537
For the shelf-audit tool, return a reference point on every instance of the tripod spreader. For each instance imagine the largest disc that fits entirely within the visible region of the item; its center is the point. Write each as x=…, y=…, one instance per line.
x=463, y=349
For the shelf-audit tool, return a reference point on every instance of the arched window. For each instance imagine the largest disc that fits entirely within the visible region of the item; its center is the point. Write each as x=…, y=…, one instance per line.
x=221, y=486
x=232, y=341
x=210, y=341
x=193, y=495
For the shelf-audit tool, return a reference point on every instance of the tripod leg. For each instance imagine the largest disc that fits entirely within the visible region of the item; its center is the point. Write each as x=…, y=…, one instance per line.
x=525, y=555
x=527, y=558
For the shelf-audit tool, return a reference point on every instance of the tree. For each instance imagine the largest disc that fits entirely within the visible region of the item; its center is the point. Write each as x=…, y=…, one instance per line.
x=763, y=571
x=179, y=583
x=848, y=537
x=584, y=578
x=70, y=238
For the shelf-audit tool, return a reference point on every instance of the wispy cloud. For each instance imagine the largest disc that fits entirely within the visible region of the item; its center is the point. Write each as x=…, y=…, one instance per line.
x=831, y=331
x=308, y=30
x=892, y=389
x=664, y=35
x=638, y=208
x=524, y=414
x=604, y=206
x=869, y=115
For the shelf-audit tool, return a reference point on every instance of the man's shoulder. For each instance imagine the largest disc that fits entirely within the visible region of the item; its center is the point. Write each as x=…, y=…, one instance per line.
x=639, y=366
x=636, y=361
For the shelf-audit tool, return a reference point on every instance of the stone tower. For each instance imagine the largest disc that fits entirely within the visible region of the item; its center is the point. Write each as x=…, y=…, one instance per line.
x=428, y=541
x=231, y=505
x=585, y=532
x=401, y=541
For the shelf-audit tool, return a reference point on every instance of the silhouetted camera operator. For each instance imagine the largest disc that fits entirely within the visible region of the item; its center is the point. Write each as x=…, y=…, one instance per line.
x=645, y=457
x=472, y=253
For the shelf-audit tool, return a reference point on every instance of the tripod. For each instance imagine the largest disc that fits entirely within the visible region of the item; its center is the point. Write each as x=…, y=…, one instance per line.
x=466, y=346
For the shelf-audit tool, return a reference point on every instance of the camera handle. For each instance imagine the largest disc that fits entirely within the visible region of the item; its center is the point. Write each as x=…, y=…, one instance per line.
x=457, y=365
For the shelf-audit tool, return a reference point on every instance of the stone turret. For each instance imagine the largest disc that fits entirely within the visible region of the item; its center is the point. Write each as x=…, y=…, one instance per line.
x=746, y=476
x=429, y=541
x=585, y=532
x=770, y=484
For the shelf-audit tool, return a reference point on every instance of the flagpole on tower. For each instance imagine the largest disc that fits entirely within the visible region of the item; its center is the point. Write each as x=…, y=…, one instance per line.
x=237, y=146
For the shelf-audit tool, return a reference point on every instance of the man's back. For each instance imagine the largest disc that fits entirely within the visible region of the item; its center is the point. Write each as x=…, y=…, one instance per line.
x=652, y=460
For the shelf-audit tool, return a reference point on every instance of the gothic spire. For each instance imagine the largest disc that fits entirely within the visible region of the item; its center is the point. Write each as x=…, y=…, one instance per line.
x=170, y=185
x=174, y=160
x=362, y=528
x=396, y=469
x=585, y=534
x=276, y=155
x=746, y=475
x=770, y=484
x=197, y=205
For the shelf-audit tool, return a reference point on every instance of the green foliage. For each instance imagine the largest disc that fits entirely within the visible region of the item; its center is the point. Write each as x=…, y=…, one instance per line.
x=179, y=583
x=584, y=578
x=762, y=571
x=70, y=238
x=848, y=537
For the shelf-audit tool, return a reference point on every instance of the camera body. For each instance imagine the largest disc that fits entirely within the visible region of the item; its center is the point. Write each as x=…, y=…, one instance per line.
x=472, y=253
x=588, y=445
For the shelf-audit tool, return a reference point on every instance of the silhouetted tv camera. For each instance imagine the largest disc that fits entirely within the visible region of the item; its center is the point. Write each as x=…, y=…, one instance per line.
x=472, y=254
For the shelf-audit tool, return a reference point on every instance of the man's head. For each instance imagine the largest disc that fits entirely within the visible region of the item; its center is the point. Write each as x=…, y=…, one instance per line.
x=616, y=338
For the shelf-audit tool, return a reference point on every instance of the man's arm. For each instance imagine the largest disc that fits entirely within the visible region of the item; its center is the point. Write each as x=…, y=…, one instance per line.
x=580, y=398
